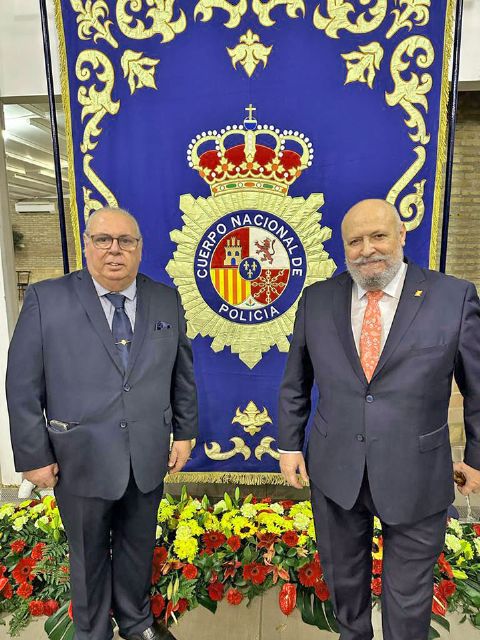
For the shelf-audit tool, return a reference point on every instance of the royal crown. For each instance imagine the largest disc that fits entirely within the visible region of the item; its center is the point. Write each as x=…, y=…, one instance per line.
x=250, y=157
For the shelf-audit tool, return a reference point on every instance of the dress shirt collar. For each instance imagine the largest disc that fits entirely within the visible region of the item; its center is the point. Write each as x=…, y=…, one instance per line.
x=393, y=288
x=130, y=292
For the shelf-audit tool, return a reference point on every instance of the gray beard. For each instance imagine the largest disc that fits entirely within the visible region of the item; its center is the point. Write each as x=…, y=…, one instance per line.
x=378, y=281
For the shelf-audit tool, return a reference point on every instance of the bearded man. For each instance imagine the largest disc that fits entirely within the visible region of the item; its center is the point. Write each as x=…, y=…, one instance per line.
x=382, y=343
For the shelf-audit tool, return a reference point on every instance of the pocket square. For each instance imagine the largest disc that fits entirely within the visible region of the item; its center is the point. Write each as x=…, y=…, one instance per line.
x=160, y=324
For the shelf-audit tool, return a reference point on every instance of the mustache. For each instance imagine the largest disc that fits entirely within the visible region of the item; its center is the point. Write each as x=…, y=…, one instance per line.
x=371, y=260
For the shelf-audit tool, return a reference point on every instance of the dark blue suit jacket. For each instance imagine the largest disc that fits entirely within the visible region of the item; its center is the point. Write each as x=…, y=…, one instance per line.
x=63, y=366
x=397, y=423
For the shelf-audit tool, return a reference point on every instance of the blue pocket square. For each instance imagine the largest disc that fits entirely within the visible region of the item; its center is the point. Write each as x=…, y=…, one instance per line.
x=162, y=325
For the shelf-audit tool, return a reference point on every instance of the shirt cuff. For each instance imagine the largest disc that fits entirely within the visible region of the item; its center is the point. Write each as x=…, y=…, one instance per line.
x=283, y=451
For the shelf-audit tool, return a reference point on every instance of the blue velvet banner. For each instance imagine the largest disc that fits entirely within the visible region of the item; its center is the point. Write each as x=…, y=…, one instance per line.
x=239, y=133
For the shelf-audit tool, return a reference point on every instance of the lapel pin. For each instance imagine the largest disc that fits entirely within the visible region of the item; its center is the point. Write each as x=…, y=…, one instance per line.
x=418, y=293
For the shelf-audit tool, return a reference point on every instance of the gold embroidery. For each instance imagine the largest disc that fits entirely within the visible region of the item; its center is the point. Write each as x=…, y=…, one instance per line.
x=249, y=53
x=263, y=8
x=417, y=8
x=413, y=202
x=139, y=71
x=235, y=12
x=252, y=419
x=338, y=17
x=214, y=452
x=95, y=103
x=408, y=93
x=361, y=65
x=265, y=448
x=89, y=203
x=160, y=14
x=91, y=13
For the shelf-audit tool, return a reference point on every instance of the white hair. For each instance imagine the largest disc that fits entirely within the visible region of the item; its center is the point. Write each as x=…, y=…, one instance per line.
x=117, y=210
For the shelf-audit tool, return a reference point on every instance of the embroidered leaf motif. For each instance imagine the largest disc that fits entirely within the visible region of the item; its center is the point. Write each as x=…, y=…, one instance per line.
x=139, y=70
x=363, y=64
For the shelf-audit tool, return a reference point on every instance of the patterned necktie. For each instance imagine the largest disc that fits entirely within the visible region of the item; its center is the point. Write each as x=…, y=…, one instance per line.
x=371, y=335
x=121, y=327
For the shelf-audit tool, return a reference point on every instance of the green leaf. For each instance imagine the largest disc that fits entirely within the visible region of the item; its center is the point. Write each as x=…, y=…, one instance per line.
x=433, y=634
x=228, y=501
x=330, y=616
x=443, y=622
x=237, y=494
x=205, y=601
x=53, y=620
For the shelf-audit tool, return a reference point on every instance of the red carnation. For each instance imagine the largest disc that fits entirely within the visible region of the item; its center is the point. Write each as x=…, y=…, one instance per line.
x=290, y=538
x=321, y=591
x=447, y=588
x=215, y=591
x=190, y=571
x=3, y=568
x=266, y=540
x=65, y=569
x=157, y=603
x=37, y=551
x=50, y=607
x=234, y=596
x=376, y=586
x=439, y=603
x=25, y=590
x=23, y=570
x=445, y=566
x=287, y=504
x=309, y=574
x=7, y=591
x=17, y=546
x=182, y=605
x=234, y=543
x=35, y=607
x=476, y=528
x=213, y=539
x=377, y=567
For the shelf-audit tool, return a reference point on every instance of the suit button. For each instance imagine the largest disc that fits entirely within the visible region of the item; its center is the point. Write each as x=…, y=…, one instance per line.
x=360, y=437
x=126, y=387
x=123, y=424
x=369, y=398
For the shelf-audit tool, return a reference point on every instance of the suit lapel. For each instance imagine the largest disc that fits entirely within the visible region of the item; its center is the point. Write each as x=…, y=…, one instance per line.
x=88, y=296
x=141, y=321
x=342, y=318
x=408, y=307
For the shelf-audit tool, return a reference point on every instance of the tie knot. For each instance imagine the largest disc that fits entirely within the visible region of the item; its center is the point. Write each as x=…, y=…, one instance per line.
x=374, y=296
x=117, y=299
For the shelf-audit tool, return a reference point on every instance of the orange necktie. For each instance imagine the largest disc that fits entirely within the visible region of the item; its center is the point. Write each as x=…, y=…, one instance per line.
x=371, y=336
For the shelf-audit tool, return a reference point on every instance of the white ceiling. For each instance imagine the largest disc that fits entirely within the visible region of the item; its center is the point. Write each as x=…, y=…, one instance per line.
x=29, y=152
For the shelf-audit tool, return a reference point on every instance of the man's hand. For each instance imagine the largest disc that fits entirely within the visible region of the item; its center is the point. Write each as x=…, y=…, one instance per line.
x=179, y=455
x=45, y=477
x=290, y=465
x=473, y=478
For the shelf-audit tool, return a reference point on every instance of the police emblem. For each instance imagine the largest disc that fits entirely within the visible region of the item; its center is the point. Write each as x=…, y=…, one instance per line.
x=245, y=253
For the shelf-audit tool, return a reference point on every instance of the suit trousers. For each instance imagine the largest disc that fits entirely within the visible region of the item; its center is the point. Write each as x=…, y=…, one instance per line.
x=111, y=546
x=410, y=551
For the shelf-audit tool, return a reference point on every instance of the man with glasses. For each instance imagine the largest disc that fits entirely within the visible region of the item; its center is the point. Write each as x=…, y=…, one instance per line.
x=100, y=373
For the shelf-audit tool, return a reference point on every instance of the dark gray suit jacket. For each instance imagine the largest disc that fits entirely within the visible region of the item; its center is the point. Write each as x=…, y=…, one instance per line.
x=63, y=365
x=397, y=423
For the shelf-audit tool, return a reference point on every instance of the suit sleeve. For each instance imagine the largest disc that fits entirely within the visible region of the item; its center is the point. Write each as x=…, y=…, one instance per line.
x=296, y=387
x=25, y=386
x=467, y=374
x=183, y=387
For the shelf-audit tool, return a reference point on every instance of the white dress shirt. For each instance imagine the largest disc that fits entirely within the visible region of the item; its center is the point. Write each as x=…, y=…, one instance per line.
x=388, y=307
x=130, y=294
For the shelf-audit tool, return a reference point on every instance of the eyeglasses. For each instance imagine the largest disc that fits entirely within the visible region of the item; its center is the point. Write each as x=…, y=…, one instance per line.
x=104, y=241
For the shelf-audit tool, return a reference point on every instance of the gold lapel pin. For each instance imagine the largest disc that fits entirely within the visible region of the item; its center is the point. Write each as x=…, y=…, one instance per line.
x=418, y=293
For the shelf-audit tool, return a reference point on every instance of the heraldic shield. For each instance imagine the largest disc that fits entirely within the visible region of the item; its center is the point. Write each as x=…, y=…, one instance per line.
x=245, y=253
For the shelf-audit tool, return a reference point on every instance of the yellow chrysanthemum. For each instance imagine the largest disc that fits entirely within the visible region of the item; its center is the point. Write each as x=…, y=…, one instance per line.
x=165, y=511
x=211, y=522
x=186, y=549
x=301, y=521
x=271, y=522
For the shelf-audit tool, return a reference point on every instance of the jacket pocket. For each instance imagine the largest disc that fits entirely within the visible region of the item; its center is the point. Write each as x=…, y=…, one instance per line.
x=320, y=424
x=434, y=349
x=434, y=439
x=61, y=426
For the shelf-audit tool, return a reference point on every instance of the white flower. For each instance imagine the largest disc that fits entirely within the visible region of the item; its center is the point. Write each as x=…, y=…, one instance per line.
x=301, y=521
x=158, y=532
x=277, y=508
x=19, y=522
x=476, y=542
x=456, y=527
x=453, y=543
x=248, y=510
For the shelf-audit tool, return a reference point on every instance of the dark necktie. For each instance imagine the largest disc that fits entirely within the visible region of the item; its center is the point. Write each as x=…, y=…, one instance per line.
x=121, y=327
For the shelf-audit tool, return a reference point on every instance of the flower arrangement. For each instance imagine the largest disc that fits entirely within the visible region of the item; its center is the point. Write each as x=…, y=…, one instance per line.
x=234, y=549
